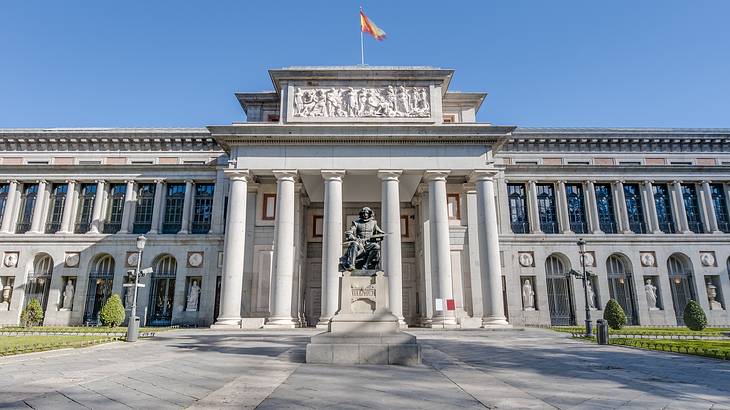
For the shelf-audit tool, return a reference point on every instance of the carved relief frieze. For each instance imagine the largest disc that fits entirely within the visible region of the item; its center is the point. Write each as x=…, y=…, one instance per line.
x=362, y=102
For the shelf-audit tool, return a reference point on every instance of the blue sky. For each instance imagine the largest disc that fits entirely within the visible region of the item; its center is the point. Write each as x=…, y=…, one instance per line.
x=648, y=63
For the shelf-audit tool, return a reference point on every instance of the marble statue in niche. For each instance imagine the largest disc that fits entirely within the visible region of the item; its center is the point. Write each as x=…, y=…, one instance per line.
x=528, y=295
x=712, y=297
x=5, y=297
x=591, y=296
x=193, y=297
x=68, y=295
x=362, y=102
x=651, y=295
x=363, y=243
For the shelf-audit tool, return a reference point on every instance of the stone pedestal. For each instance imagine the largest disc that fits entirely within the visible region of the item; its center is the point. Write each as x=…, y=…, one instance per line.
x=364, y=331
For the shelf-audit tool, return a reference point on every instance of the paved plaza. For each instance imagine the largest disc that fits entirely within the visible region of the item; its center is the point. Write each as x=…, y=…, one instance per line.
x=205, y=369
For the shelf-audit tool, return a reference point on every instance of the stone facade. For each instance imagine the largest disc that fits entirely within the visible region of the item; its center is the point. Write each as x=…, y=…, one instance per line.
x=253, y=213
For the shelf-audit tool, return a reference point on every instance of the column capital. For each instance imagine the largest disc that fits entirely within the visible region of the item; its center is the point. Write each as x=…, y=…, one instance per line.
x=705, y=182
x=41, y=181
x=11, y=181
x=483, y=175
x=238, y=174
x=189, y=180
x=159, y=180
x=333, y=174
x=677, y=182
x=99, y=181
x=648, y=181
x=389, y=174
x=436, y=175
x=70, y=181
x=128, y=181
x=285, y=174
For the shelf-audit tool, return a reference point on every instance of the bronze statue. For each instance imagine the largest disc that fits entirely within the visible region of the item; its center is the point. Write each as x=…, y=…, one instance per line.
x=363, y=243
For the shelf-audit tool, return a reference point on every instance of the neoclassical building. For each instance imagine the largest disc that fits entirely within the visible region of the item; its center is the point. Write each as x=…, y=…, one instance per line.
x=245, y=222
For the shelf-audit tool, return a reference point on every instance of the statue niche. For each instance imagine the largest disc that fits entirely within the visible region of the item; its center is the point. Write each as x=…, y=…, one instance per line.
x=363, y=243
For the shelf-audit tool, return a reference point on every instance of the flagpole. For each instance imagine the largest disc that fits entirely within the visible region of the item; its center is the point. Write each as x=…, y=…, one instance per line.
x=362, y=49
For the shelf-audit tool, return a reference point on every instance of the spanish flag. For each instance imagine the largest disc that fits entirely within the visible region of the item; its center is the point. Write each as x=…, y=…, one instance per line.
x=368, y=26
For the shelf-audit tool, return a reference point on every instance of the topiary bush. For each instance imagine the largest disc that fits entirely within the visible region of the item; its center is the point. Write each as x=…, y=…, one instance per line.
x=694, y=316
x=32, y=315
x=614, y=315
x=112, y=313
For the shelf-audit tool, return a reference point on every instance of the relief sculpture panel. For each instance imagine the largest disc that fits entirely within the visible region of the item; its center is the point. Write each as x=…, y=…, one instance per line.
x=362, y=102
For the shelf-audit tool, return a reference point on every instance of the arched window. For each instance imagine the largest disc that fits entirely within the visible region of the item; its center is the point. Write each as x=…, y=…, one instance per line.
x=162, y=293
x=680, y=279
x=39, y=280
x=620, y=285
x=101, y=279
x=558, y=290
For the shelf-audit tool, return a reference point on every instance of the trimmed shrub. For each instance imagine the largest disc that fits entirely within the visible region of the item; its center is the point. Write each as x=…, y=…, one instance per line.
x=112, y=313
x=32, y=315
x=694, y=316
x=614, y=315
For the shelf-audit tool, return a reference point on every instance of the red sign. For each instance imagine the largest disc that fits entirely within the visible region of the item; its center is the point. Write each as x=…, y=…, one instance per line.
x=450, y=305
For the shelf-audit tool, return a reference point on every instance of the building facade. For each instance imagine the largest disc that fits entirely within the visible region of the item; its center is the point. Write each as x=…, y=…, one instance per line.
x=245, y=221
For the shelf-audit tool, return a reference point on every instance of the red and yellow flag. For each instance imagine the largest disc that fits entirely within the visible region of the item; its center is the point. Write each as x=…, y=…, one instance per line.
x=369, y=27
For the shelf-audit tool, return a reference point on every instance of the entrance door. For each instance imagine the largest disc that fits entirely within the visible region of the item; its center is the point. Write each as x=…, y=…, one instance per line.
x=217, y=307
x=100, y=288
x=620, y=286
x=680, y=277
x=162, y=292
x=39, y=281
x=558, y=290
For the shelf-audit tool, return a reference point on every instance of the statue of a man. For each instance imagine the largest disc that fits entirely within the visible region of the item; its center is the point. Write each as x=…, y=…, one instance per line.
x=363, y=238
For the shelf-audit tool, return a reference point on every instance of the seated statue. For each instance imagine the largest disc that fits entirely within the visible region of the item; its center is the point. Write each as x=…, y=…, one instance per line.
x=363, y=243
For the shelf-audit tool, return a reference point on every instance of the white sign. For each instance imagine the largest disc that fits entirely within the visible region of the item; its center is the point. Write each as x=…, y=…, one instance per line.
x=131, y=285
x=439, y=305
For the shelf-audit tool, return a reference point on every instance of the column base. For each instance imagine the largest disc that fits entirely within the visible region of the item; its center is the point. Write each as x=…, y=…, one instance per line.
x=323, y=323
x=227, y=323
x=252, y=322
x=496, y=322
x=444, y=322
x=280, y=323
x=225, y=326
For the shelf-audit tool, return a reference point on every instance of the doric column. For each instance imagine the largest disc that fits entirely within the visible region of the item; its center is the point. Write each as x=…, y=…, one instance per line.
x=533, y=214
x=331, y=244
x=563, y=208
x=158, y=206
x=679, y=210
x=390, y=219
x=440, y=245
x=36, y=225
x=9, y=207
x=623, y=213
x=593, y=207
x=472, y=233
x=187, y=203
x=283, y=281
x=233, y=254
x=128, y=209
x=68, y=208
x=96, y=212
x=709, y=205
x=490, y=264
x=651, y=216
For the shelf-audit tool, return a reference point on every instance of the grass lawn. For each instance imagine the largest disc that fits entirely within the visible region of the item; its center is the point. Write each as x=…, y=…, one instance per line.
x=10, y=345
x=80, y=329
x=719, y=349
x=653, y=331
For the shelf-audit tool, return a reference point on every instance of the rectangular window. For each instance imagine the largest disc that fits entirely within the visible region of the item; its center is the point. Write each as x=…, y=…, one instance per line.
x=56, y=203
x=453, y=206
x=546, y=208
x=663, y=205
x=692, y=208
x=174, y=203
x=27, y=204
x=202, y=208
x=87, y=195
x=268, y=211
x=634, y=208
x=606, y=213
x=115, y=210
x=720, y=204
x=4, y=189
x=518, y=208
x=576, y=208
x=145, y=206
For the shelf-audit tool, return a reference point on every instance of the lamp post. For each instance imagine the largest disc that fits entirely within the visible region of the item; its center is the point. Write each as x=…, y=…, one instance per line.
x=133, y=324
x=584, y=278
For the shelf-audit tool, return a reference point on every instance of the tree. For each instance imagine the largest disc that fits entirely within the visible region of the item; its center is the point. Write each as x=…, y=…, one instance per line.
x=32, y=315
x=614, y=315
x=694, y=316
x=112, y=313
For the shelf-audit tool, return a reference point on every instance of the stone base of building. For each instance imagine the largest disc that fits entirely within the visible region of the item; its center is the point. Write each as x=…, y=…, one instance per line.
x=252, y=322
x=226, y=326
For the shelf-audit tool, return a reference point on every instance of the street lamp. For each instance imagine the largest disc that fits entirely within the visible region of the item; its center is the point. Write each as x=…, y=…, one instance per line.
x=584, y=277
x=133, y=324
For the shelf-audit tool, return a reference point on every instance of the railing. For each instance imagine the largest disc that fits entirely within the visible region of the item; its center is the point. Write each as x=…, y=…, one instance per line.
x=637, y=227
x=201, y=227
x=520, y=227
x=549, y=227
x=53, y=227
x=82, y=227
x=608, y=227
x=112, y=227
x=696, y=227
x=141, y=227
x=171, y=227
x=667, y=227
x=579, y=227
x=22, y=227
x=724, y=226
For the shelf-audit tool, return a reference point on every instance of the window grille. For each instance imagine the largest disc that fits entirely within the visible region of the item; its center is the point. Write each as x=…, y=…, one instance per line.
x=692, y=208
x=27, y=204
x=606, y=213
x=144, y=209
x=634, y=208
x=56, y=204
x=546, y=208
x=664, y=208
x=4, y=189
x=518, y=208
x=720, y=204
x=202, y=208
x=115, y=212
x=576, y=208
x=86, y=208
x=174, y=204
